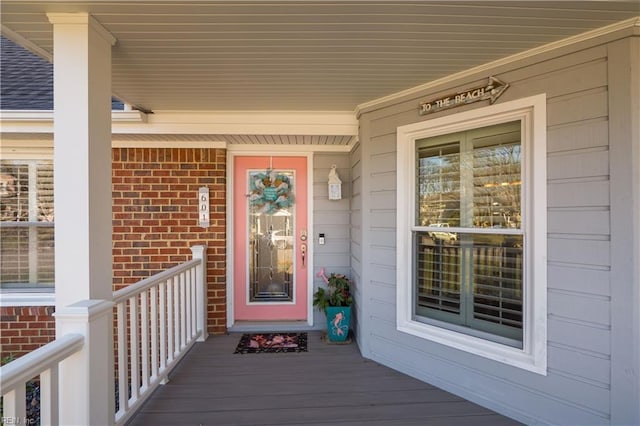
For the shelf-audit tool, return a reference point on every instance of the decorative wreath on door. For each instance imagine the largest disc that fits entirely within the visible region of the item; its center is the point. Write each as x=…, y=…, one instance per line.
x=270, y=191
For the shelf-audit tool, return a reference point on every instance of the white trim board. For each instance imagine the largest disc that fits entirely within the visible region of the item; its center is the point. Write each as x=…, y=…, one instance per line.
x=10, y=298
x=340, y=123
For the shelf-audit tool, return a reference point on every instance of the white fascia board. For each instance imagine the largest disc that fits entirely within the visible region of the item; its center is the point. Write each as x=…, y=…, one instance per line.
x=254, y=149
x=245, y=122
x=26, y=121
x=9, y=115
x=131, y=116
x=169, y=144
x=37, y=121
x=26, y=43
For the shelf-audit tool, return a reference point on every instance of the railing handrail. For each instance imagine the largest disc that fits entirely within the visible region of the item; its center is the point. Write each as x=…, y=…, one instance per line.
x=19, y=371
x=147, y=283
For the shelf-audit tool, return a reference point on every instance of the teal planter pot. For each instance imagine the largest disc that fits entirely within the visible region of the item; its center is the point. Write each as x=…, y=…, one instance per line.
x=338, y=320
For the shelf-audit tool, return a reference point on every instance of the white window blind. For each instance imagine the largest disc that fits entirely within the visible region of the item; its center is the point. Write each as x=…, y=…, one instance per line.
x=26, y=223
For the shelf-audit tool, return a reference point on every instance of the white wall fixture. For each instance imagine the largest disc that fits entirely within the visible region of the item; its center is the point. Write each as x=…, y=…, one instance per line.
x=203, y=206
x=335, y=184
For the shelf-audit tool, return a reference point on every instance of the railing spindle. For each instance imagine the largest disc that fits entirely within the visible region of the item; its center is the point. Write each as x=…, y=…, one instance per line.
x=170, y=321
x=49, y=396
x=134, y=349
x=123, y=392
x=176, y=315
x=14, y=403
x=144, y=338
x=189, y=330
x=194, y=302
x=183, y=311
x=154, y=332
x=163, y=325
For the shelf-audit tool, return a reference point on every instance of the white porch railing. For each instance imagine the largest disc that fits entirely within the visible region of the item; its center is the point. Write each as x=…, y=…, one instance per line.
x=157, y=321
x=42, y=364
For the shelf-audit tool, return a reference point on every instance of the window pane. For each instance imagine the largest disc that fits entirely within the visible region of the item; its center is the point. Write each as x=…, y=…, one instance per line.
x=471, y=280
x=27, y=256
x=496, y=180
x=44, y=186
x=14, y=248
x=438, y=186
x=45, y=255
x=470, y=179
x=496, y=274
x=437, y=275
x=14, y=192
x=271, y=248
x=27, y=230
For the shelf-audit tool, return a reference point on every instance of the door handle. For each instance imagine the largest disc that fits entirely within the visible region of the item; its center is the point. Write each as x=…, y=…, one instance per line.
x=303, y=253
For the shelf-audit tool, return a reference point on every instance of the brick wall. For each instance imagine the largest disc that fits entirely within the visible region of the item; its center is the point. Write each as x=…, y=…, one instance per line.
x=155, y=217
x=155, y=222
x=25, y=328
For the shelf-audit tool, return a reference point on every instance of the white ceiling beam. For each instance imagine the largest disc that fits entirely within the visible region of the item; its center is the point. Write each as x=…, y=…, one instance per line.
x=198, y=122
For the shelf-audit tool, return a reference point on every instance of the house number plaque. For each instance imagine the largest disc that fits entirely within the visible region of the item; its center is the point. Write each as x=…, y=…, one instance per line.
x=203, y=207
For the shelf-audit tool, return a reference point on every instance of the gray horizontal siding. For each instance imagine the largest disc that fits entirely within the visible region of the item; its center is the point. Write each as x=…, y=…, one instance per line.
x=577, y=388
x=331, y=218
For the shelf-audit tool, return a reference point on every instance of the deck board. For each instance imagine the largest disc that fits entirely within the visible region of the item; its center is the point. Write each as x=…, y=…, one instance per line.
x=328, y=385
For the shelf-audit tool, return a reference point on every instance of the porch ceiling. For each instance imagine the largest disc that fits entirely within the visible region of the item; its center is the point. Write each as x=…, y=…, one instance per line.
x=303, y=55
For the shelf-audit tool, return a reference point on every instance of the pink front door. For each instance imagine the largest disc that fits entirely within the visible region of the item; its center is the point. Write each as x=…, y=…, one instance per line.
x=269, y=234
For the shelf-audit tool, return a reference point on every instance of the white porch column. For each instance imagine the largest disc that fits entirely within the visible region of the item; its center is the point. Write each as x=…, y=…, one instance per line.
x=82, y=158
x=82, y=178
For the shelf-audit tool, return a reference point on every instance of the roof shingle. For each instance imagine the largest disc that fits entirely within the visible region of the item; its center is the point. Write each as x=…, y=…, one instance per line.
x=26, y=79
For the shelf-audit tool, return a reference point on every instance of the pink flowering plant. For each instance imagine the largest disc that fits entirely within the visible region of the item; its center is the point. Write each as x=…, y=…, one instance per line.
x=337, y=292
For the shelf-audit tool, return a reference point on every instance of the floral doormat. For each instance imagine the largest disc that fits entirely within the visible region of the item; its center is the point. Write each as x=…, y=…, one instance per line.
x=272, y=343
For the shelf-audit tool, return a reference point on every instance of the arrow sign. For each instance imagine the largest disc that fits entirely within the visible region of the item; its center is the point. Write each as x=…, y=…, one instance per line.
x=491, y=92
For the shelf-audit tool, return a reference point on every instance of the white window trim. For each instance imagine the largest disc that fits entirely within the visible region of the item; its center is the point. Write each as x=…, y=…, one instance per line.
x=532, y=112
x=38, y=297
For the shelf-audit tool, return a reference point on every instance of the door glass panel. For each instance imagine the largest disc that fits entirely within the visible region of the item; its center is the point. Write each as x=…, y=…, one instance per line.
x=271, y=268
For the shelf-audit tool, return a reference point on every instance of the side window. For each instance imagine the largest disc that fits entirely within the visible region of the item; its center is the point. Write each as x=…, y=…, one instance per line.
x=26, y=224
x=468, y=231
x=471, y=223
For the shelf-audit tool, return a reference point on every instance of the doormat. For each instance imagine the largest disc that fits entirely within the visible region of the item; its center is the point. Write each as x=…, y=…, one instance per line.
x=253, y=343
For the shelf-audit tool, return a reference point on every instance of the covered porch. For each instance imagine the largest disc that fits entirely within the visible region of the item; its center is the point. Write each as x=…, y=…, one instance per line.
x=329, y=384
x=330, y=84
x=168, y=370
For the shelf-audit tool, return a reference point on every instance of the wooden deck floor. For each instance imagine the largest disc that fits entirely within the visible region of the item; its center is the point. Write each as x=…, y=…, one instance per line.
x=328, y=385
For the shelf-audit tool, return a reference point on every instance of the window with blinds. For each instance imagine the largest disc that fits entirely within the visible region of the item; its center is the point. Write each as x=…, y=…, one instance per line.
x=26, y=223
x=468, y=236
